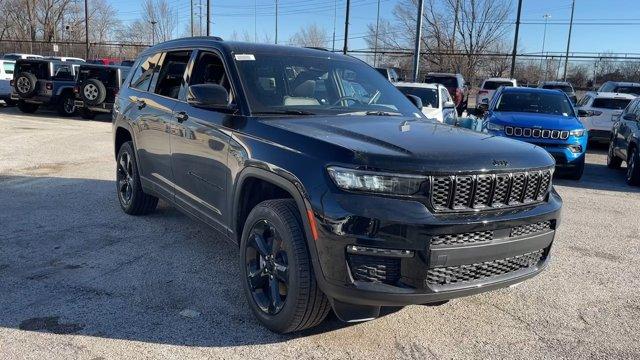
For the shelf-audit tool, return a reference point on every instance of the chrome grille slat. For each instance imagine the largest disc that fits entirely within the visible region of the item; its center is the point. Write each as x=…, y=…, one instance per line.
x=488, y=191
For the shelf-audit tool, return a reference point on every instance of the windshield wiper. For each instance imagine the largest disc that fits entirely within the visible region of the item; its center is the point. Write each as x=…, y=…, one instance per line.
x=284, y=112
x=372, y=113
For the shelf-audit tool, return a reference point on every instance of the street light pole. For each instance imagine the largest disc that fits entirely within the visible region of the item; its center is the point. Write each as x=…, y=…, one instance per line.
x=375, y=45
x=566, y=58
x=345, y=47
x=208, y=17
x=191, y=18
x=544, y=38
x=416, y=51
x=515, y=40
x=86, y=29
x=153, y=31
x=276, y=22
x=335, y=13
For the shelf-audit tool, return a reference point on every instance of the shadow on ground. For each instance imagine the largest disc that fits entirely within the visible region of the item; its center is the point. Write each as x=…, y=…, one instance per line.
x=72, y=263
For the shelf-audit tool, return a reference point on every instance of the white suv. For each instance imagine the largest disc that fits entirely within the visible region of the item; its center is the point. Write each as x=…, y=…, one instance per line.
x=437, y=104
x=490, y=86
x=598, y=112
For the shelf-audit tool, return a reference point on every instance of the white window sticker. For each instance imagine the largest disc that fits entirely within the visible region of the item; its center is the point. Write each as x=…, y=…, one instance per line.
x=245, y=57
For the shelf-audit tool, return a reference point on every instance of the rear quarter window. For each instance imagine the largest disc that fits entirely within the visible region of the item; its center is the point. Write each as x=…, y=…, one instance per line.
x=493, y=85
x=446, y=81
x=627, y=90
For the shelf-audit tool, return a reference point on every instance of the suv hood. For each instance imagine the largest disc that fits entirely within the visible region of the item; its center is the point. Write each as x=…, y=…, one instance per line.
x=415, y=145
x=542, y=121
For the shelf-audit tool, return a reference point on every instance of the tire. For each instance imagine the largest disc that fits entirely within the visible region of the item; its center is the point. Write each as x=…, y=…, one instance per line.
x=576, y=173
x=613, y=162
x=66, y=105
x=87, y=114
x=93, y=92
x=27, y=108
x=26, y=84
x=132, y=198
x=285, y=267
x=633, y=167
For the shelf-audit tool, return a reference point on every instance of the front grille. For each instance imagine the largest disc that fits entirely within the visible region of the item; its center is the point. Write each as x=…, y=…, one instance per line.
x=463, y=238
x=451, y=275
x=531, y=228
x=377, y=269
x=536, y=133
x=489, y=191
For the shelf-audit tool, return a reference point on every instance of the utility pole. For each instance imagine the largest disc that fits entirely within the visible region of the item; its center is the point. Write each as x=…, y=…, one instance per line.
x=375, y=45
x=544, y=38
x=191, y=18
x=200, y=18
x=345, y=48
x=335, y=15
x=255, y=20
x=208, y=17
x=86, y=29
x=153, y=31
x=276, y=22
x=515, y=40
x=566, y=58
x=453, y=35
x=416, y=54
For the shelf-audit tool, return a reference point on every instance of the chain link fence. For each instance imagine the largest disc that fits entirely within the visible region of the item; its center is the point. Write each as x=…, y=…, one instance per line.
x=72, y=49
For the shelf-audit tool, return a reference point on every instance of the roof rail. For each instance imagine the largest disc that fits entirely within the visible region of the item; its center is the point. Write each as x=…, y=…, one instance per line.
x=317, y=48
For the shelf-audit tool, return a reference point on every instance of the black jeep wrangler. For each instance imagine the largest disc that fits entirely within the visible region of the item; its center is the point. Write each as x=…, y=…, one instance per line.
x=96, y=88
x=336, y=200
x=50, y=83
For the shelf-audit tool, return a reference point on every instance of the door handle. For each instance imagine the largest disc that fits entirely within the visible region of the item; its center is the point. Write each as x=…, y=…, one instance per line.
x=182, y=116
x=141, y=104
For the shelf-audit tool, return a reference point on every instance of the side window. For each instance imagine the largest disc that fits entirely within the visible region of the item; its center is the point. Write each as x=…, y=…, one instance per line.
x=444, y=95
x=170, y=75
x=631, y=107
x=142, y=76
x=209, y=69
x=584, y=101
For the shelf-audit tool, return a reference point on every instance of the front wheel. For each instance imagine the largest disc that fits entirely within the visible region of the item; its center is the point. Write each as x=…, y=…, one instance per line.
x=276, y=270
x=633, y=168
x=67, y=105
x=133, y=200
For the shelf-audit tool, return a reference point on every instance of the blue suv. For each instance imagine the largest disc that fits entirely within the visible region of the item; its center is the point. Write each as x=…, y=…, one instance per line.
x=542, y=117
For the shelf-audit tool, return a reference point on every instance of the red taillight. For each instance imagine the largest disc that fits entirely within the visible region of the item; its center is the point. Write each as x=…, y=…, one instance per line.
x=458, y=95
x=49, y=86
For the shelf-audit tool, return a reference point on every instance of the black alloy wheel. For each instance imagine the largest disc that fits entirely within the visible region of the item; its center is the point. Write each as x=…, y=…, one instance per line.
x=124, y=178
x=633, y=171
x=267, y=267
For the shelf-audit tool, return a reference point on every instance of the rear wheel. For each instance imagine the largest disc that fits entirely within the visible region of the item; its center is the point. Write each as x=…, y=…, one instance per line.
x=613, y=162
x=133, y=199
x=66, y=105
x=633, y=167
x=27, y=108
x=277, y=274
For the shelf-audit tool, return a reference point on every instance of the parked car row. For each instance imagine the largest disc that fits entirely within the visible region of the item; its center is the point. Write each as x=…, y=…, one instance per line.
x=67, y=87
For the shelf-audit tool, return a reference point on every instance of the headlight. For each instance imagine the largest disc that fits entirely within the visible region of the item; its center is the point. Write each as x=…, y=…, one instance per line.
x=375, y=182
x=494, y=127
x=577, y=133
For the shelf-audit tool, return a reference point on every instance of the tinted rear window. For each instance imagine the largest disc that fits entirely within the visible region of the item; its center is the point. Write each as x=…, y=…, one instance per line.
x=564, y=88
x=429, y=97
x=493, y=85
x=447, y=81
x=635, y=90
x=615, y=104
x=107, y=76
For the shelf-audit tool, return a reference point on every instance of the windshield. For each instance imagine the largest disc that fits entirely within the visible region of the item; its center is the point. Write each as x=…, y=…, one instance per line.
x=542, y=103
x=635, y=90
x=447, y=81
x=565, y=88
x=428, y=96
x=317, y=85
x=493, y=85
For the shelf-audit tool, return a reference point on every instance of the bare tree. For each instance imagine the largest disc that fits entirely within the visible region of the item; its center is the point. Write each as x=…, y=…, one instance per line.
x=159, y=11
x=310, y=36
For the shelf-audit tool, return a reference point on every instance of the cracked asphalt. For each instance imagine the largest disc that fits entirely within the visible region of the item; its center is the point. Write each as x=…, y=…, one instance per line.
x=81, y=280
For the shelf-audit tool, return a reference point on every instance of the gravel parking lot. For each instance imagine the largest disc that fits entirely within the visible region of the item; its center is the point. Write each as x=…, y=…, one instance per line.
x=80, y=279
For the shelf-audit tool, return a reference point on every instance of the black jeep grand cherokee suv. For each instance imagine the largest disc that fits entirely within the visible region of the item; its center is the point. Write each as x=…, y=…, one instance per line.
x=338, y=192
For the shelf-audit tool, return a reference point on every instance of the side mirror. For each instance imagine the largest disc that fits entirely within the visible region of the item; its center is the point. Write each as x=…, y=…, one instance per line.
x=630, y=117
x=415, y=101
x=209, y=96
x=584, y=113
x=448, y=105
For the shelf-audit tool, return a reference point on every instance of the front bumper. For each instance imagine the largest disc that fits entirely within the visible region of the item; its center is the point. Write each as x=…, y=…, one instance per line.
x=452, y=255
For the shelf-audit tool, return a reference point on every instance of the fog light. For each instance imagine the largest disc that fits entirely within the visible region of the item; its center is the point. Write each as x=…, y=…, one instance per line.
x=575, y=148
x=364, y=250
